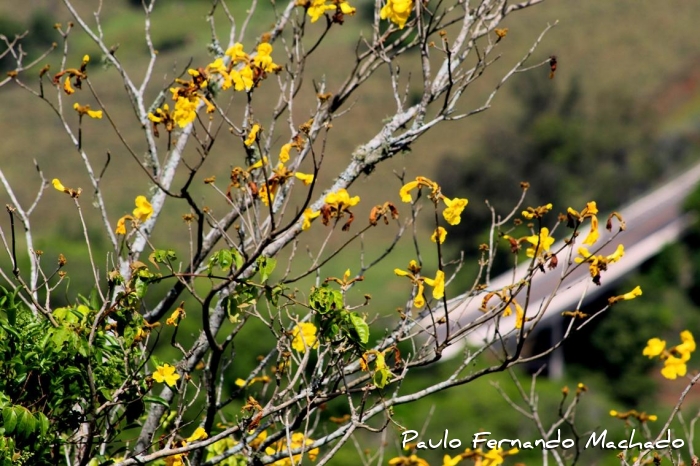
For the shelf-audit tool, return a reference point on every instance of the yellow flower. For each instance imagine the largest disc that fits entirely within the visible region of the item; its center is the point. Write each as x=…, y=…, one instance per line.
x=438, y=284
x=593, y=234
x=86, y=59
x=175, y=460
x=617, y=255
x=264, y=196
x=454, y=210
x=405, y=191
x=637, y=291
x=185, y=111
x=412, y=460
x=397, y=11
x=258, y=164
x=143, y=209
x=541, y=243
x=306, y=179
x=674, y=367
x=447, y=460
x=85, y=110
x=309, y=215
x=613, y=413
x=121, y=225
x=439, y=235
x=519, y=314
x=496, y=456
x=346, y=9
x=174, y=318
x=341, y=199
x=419, y=182
x=298, y=441
x=218, y=67
x=199, y=434
x=58, y=185
x=304, y=336
x=317, y=9
x=655, y=347
x=166, y=373
x=253, y=135
x=263, y=60
x=243, y=79
x=536, y=212
x=284, y=152
x=419, y=300
x=240, y=383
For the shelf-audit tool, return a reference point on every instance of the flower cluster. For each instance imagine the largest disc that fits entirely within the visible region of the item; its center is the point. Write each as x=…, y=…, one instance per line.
x=493, y=457
x=162, y=116
x=674, y=358
x=454, y=207
x=598, y=263
x=266, y=190
x=413, y=273
x=304, y=336
x=77, y=74
x=243, y=77
x=298, y=440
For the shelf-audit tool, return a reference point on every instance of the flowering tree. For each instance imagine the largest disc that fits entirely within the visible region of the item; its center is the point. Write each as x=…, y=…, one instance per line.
x=90, y=382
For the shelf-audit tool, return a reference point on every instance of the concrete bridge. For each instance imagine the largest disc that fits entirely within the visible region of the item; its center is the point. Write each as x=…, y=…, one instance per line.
x=653, y=221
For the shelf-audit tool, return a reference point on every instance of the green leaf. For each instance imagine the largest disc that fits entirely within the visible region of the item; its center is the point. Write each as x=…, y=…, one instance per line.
x=43, y=422
x=141, y=286
x=237, y=259
x=94, y=299
x=224, y=259
x=156, y=400
x=25, y=422
x=381, y=377
x=273, y=294
x=360, y=326
x=325, y=299
x=9, y=420
x=162, y=256
x=266, y=265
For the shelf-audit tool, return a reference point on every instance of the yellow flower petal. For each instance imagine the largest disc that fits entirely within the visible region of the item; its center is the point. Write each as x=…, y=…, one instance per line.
x=439, y=235
x=306, y=179
x=253, y=135
x=405, y=191
x=58, y=186
x=655, y=347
